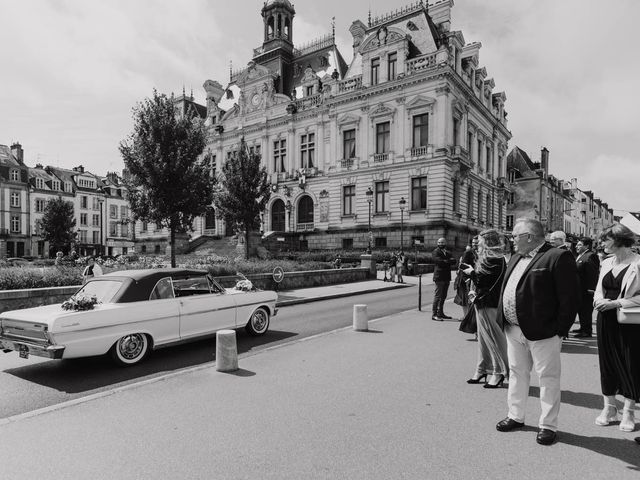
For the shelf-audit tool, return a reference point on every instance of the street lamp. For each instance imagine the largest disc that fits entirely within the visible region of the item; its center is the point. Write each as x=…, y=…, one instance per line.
x=101, y=201
x=369, y=201
x=403, y=204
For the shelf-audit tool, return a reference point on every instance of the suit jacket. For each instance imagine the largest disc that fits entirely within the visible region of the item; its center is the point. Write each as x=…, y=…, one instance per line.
x=443, y=261
x=630, y=291
x=588, y=267
x=547, y=295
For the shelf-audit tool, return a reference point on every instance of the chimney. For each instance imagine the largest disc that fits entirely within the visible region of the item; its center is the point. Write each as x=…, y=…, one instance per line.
x=16, y=150
x=544, y=160
x=39, y=165
x=574, y=184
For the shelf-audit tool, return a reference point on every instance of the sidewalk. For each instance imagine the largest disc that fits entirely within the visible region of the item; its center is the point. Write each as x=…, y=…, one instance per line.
x=386, y=404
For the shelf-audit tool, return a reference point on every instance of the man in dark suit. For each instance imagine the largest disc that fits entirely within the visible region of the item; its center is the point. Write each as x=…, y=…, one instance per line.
x=588, y=265
x=443, y=261
x=538, y=304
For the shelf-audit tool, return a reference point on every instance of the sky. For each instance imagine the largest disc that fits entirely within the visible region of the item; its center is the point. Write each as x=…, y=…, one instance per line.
x=72, y=70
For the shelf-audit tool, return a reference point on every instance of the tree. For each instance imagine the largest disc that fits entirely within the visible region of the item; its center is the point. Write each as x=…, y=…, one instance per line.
x=170, y=182
x=58, y=224
x=243, y=190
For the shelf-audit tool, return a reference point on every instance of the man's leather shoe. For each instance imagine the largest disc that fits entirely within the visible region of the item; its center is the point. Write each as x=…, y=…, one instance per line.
x=446, y=317
x=546, y=436
x=582, y=335
x=508, y=424
x=437, y=318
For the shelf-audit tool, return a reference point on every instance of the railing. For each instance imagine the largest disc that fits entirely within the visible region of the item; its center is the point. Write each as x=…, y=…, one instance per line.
x=309, y=102
x=304, y=227
x=346, y=163
x=350, y=84
x=380, y=157
x=308, y=172
x=421, y=63
x=317, y=44
x=418, y=151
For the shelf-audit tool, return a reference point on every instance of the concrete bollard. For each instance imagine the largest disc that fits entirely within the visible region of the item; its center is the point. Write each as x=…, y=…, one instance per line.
x=360, y=318
x=226, y=351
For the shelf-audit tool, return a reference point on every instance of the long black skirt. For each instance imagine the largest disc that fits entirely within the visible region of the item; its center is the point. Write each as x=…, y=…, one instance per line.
x=619, y=355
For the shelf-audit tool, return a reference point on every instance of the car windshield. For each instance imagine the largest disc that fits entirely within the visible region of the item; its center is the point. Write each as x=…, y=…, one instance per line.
x=104, y=290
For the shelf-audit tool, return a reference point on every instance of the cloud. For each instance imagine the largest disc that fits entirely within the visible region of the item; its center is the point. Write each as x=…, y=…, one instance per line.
x=616, y=179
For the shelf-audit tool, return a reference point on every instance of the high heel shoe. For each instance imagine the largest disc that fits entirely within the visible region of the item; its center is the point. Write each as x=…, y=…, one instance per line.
x=477, y=380
x=498, y=384
x=608, y=415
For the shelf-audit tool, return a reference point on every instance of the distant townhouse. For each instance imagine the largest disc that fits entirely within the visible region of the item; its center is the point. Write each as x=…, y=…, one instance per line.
x=14, y=203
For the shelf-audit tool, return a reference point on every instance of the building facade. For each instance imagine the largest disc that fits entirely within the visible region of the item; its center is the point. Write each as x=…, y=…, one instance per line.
x=408, y=140
x=14, y=202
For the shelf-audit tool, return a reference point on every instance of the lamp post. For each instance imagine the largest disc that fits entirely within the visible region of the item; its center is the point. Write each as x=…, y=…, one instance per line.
x=369, y=201
x=403, y=204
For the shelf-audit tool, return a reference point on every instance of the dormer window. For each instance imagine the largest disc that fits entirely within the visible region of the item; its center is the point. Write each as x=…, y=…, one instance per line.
x=67, y=187
x=309, y=91
x=375, y=71
x=391, y=66
x=55, y=185
x=39, y=183
x=15, y=175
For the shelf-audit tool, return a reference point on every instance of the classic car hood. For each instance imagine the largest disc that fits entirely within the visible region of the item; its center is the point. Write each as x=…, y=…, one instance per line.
x=46, y=314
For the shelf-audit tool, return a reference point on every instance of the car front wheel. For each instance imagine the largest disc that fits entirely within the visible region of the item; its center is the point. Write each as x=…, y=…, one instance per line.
x=130, y=349
x=259, y=322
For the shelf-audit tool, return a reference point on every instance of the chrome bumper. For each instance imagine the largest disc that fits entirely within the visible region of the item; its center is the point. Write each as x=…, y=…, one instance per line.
x=47, y=351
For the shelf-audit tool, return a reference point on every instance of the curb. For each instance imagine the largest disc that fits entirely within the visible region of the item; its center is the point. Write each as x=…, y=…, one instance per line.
x=298, y=301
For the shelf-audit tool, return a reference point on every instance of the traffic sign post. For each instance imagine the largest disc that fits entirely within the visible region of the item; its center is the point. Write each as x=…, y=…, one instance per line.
x=278, y=276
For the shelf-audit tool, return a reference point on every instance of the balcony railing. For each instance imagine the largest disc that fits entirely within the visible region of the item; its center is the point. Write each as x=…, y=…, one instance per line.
x=380, y=157
x=304, y=227
x=308, y=102
x=350, y=84
x=419, y=151
x=347, y=163
x=421, y=63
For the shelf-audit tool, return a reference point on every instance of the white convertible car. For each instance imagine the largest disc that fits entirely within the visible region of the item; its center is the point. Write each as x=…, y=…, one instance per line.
x=136, y=311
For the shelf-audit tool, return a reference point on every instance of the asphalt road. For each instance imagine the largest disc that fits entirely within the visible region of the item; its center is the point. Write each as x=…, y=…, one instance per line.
x=27, y=385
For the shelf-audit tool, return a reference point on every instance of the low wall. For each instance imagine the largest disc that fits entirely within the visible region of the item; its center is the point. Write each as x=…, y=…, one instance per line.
x=18, y=299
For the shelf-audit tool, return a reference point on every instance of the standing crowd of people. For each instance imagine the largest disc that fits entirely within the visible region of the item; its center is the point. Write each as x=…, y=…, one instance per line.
x=525, y=293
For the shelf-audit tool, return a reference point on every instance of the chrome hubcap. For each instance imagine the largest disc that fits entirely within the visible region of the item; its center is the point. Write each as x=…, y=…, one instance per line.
x=131, y=346
x=259, y=321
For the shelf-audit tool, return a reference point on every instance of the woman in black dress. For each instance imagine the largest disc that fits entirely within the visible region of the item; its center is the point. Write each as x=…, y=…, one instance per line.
x=618, y=345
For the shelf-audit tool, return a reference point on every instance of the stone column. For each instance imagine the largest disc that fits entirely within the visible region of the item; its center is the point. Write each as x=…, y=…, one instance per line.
x=442, y=116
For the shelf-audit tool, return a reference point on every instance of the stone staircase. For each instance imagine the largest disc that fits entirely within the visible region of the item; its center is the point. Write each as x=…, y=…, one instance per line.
x=203, y=245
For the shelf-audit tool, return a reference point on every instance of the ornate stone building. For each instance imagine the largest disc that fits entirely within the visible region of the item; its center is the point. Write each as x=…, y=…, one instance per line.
x=407, y=141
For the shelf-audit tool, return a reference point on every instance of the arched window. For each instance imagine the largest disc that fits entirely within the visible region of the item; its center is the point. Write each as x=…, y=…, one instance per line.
x=278, y=216
x=305, y=210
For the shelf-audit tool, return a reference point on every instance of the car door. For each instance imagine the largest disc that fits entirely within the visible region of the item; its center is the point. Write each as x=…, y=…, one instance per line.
x=203, y=312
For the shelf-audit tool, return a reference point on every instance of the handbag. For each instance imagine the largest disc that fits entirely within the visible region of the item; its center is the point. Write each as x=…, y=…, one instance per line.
x=469, y=323
x=629, y=316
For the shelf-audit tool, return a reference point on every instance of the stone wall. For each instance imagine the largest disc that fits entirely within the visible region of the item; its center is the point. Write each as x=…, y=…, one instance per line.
x=18, y=299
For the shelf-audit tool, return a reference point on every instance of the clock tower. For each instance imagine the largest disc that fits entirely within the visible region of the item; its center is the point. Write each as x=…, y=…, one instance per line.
x=276, y=52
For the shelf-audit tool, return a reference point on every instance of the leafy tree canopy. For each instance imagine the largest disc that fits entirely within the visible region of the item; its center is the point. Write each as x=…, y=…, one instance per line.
x=170, y=183
x=58, y=224
x=243, y=190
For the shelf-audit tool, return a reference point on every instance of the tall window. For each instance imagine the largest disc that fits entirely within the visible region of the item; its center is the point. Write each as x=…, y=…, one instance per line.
x=382, y=197
x=96, y=237
x=279, y=155
x=307, y=150
x=113, y=211
x=469, y=143
x=375, y=69
x=348, y=199
x=489, y=210
x=456, y=131
x=83, y=219
x=509, y=222
x=419, y=193
x=82, y=236
x=500, y=161
x=349, y=143
x=456, y=196
x=15, y=224
x=383, y=134
x=124, y=211
x=113, y=228
x=479, y=205
x=470, y=202
x=479, y=153
x=15, y=175
x=15, y=199
x=489, y=160
x=421, y=130
x=40, y=205
x=391, y=66
x=95, y=220
x=83, y=201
